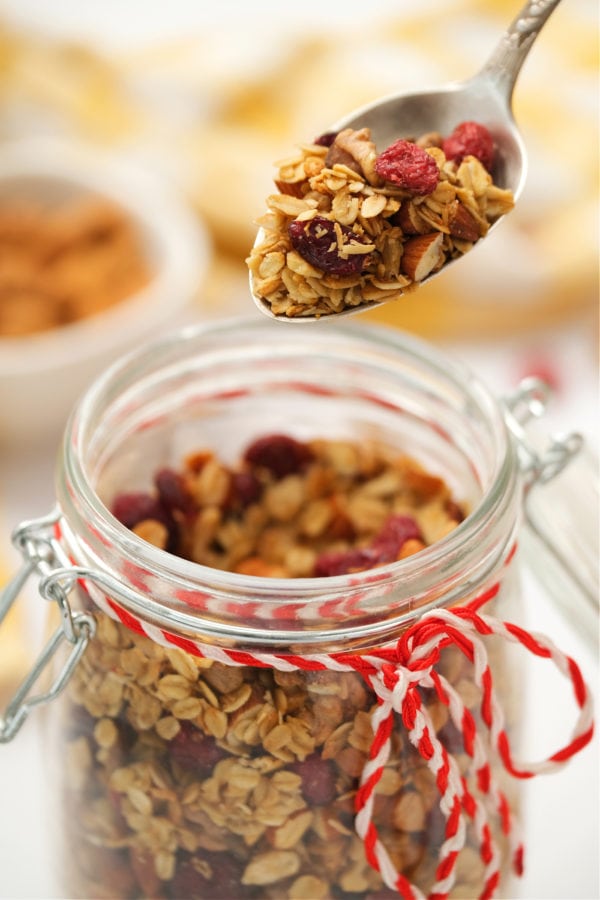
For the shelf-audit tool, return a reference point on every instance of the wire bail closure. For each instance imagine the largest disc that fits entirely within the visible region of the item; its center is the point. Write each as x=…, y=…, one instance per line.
x=43, y=556
x=576, y=573
x=530, y=401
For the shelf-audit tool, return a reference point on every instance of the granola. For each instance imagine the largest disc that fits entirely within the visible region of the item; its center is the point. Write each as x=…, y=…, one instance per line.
x=165, y=806
x=352, y=227
x=189, y=778
x=294, y=509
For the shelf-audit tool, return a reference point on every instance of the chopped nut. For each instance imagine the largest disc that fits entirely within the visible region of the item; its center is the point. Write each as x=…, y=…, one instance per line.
x=461, y=223
x=359, y=146
x=421, y=255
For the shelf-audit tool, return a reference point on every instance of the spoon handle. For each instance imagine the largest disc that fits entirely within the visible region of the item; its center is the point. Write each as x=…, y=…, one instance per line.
x=504, y=65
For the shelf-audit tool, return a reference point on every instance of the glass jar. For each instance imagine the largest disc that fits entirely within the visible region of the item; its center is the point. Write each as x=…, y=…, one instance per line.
x=228, y=735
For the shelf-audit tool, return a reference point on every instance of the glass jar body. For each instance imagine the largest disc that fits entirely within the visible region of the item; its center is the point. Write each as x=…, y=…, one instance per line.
x=217, y=752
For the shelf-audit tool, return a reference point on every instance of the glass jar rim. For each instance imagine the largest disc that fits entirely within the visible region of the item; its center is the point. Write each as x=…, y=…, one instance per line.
x=448, y=555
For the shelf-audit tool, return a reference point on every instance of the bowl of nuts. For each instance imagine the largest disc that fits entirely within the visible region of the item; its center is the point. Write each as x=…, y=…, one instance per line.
x=96, y=254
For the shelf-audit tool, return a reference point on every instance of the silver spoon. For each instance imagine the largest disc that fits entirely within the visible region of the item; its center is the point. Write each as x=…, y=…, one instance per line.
x=485, y=97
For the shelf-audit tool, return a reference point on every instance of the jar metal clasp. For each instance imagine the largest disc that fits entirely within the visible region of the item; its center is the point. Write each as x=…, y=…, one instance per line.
x=43, y=557
x=561, y=513
x=538, y=467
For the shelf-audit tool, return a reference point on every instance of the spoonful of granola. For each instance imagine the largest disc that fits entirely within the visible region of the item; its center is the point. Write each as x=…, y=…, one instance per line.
x=395, y=191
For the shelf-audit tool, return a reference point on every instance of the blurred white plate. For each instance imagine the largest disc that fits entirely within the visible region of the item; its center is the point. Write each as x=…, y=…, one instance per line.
x=42, y=375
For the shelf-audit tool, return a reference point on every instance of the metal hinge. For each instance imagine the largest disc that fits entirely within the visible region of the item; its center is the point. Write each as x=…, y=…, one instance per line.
x=564, y=558
x=44, y=558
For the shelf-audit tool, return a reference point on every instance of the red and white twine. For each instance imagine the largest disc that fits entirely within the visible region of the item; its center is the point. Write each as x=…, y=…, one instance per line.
x=398, y=674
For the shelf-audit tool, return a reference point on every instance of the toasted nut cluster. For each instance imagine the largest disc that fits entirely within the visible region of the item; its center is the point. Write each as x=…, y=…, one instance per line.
x=65, y=263
x=293, y=509
x=351, y=227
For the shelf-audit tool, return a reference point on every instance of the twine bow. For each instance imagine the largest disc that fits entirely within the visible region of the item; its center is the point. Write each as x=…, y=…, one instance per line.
x=397, y=683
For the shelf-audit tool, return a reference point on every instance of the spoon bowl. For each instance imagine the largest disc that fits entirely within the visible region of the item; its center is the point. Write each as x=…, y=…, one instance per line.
x=480, y=99
x=485, y=98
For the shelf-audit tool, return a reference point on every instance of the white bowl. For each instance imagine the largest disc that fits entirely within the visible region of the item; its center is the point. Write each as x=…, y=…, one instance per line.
x=42, y=375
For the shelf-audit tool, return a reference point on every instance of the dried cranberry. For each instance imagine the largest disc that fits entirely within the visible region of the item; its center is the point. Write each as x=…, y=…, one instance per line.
x=470, y=139
x=134, y=507
x=384, y=548
x=172, y=490
x=227, y=877
x=409, y=166
x=326, y=139
x=188, y=882
x=245, y=488
x=224, y=883
x=395, y=532
x=318, y=779
x=195, y=751
x=279, y=453
x=342, y=562
x=316, y=241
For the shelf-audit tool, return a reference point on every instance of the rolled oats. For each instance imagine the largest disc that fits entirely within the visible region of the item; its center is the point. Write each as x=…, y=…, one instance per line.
x=168, y=727
x=308, y=886
x=105, y=733
x=274, y=865
x=187, y=708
